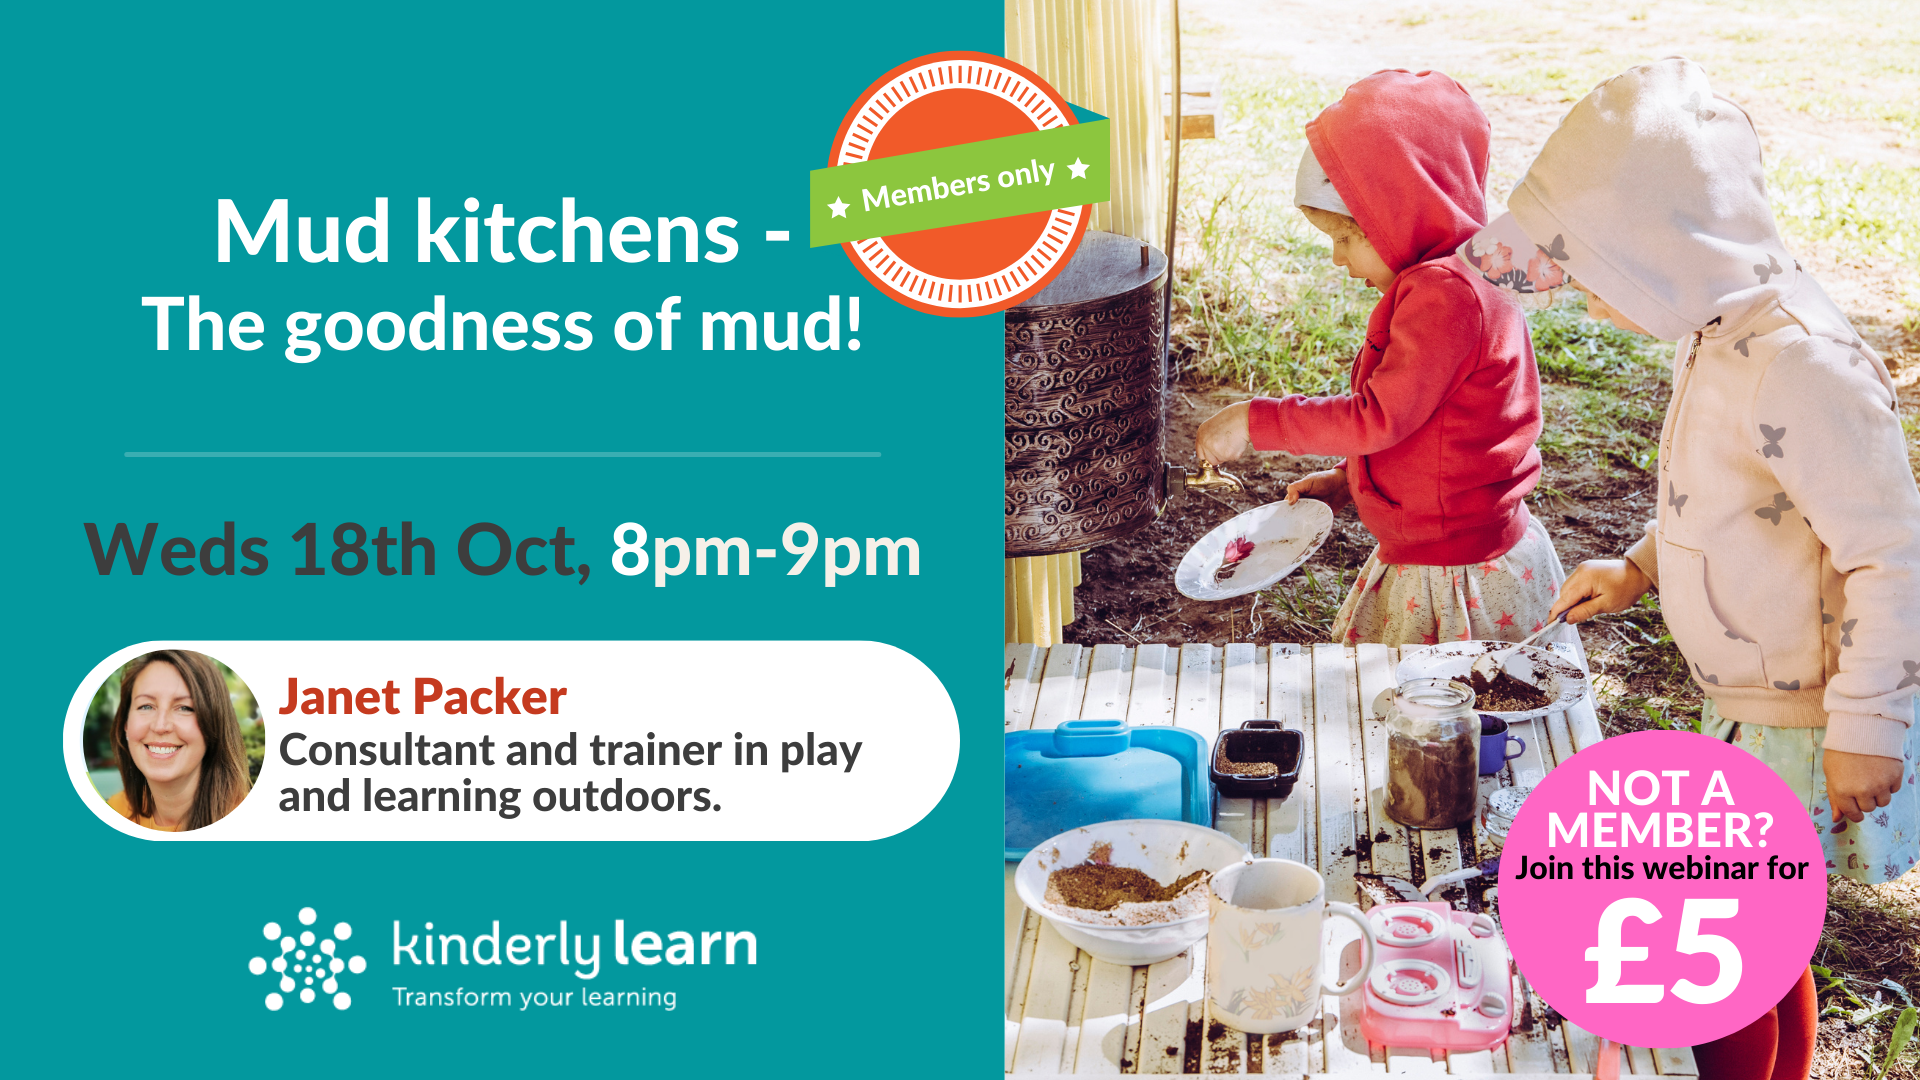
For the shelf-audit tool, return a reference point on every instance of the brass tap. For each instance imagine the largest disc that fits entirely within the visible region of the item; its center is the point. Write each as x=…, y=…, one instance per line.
x=1210, y=476
x=1207, y=479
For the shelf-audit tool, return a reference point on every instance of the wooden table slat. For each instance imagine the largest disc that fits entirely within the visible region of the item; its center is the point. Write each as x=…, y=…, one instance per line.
x=1022, y=971
x=1470, y=1062
x=1163, y=1027
x=1016, y=917
x=1291, y=822
x=1063, y=686
x=1583, y=1050
x=1196, y=704
x=1023, y=664
x=1076, y=1011
x=1531, y=1050
x=1241, y=696
x=1223, y=1051
x=1154, y=674
x=1043, y=1024
x=1559, y=736
x=1403, y=1059
x=1237, y=700
x=1338, y=774
x=1109, y=683
x=1675, y=1061
x=1384, y=839
x=1336, y=767
x=1105, y=1019
x=1285, y=1054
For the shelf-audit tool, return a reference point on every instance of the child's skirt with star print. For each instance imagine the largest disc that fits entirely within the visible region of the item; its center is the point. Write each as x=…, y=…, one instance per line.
x=1503, y=599
x=1879, y=849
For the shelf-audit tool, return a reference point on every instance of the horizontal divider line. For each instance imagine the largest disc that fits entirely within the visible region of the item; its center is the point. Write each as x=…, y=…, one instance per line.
x=502, y=453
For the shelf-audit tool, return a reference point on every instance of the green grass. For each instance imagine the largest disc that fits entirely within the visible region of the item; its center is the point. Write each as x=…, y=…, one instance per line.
x=1303, y=606
x=1867, y=209
x=1603, y=390
x=1572, y=348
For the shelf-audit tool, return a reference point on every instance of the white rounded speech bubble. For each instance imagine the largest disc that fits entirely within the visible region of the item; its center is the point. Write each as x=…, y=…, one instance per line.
x=720, y=740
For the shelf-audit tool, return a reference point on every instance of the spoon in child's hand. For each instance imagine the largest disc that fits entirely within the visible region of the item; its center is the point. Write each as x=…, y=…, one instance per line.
x=1490, y=663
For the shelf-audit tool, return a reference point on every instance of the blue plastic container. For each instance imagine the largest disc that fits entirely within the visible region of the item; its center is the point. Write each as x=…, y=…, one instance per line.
x=1088, y=771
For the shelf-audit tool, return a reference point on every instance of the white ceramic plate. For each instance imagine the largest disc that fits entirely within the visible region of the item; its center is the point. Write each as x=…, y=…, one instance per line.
x=1560, y=678
x=1282, y=537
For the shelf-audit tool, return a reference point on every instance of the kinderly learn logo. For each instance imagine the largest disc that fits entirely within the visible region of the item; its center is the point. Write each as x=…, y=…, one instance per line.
x=307, y=964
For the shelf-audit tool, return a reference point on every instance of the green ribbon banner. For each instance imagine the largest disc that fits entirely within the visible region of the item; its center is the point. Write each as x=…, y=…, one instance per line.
x=956, y=185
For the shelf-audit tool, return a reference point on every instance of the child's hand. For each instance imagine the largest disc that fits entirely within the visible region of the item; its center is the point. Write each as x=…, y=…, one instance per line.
x=1600, y=586
x=1329, y=486
x=1224, y=435
x=1859, y=784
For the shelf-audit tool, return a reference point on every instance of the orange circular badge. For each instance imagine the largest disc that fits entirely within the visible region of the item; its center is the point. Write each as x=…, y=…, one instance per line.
x=946, y=99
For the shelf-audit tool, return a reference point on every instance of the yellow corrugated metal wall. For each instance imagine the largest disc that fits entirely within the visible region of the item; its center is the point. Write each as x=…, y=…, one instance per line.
x=1103, y=55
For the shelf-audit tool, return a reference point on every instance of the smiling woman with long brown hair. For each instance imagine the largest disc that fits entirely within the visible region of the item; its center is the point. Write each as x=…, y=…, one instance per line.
x=182, y=761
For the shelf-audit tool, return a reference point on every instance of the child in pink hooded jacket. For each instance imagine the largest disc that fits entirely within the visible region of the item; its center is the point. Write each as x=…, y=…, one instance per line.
x=1786, y=547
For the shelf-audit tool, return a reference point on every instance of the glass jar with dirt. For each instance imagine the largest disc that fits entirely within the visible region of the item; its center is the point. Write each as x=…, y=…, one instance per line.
x=1433, y=754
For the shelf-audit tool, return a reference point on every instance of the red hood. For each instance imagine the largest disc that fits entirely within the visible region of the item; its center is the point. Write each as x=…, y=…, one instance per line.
x=1407, y=151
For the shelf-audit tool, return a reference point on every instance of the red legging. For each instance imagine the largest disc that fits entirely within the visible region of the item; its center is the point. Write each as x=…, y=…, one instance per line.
x=1778, y=1046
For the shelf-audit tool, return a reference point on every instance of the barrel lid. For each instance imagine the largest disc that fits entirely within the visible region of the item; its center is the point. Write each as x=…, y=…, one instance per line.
x=1107, y=264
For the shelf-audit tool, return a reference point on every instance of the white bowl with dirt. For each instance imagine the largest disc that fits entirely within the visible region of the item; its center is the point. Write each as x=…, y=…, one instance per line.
x=1163, y=850
x=1561, y=679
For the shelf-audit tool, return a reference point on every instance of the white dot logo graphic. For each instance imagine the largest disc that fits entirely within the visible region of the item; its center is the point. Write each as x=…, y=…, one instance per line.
x=323, y=964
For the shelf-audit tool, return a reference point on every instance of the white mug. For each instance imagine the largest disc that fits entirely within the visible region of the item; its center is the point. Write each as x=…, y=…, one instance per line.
x=1264, y=945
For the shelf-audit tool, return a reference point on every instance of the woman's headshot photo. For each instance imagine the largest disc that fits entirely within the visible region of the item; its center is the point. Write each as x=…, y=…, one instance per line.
x=173, y=740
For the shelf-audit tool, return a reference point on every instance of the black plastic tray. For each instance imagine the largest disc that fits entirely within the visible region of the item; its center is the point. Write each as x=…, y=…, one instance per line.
x=1255, y=741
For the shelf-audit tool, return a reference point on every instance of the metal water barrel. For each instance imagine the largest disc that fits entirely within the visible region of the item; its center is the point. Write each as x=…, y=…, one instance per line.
x=1086, y=401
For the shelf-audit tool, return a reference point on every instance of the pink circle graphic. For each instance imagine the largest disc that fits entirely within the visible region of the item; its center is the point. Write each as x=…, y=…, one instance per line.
x=1699, y=929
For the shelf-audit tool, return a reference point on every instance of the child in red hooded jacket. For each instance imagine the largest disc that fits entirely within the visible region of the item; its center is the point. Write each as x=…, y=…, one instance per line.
x=1439, y=428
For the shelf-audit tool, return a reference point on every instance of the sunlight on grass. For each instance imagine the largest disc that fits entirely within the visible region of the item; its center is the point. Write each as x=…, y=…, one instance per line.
x=1869, y=209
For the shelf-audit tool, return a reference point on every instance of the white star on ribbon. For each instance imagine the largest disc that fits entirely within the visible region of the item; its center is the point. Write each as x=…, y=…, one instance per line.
x=839, y=208
x=1078, y=169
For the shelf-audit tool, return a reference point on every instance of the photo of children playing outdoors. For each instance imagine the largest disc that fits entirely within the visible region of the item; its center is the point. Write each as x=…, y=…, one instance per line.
x=1595, y=325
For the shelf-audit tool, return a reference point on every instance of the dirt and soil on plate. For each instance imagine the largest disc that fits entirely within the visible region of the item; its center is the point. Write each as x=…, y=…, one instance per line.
x=1101, y=887
x=1101, y=893
x=1502, y=693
